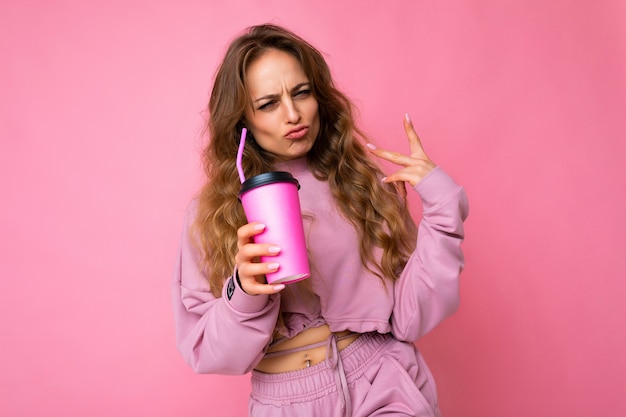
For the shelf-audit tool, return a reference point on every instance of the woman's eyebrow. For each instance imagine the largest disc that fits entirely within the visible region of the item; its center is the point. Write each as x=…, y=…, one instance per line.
x=300, y=85
x=275, y=96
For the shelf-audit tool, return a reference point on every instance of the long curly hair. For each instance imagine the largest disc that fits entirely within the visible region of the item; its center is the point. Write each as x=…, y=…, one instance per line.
x=378, y=211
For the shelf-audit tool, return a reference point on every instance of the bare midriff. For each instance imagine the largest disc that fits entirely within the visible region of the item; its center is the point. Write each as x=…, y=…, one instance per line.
x=298, y=355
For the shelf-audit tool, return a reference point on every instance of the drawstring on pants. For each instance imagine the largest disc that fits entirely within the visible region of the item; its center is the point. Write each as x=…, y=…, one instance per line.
x=334, y=359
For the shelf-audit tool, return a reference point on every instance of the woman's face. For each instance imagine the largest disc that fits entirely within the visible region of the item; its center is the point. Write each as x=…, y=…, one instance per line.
x=284, y=116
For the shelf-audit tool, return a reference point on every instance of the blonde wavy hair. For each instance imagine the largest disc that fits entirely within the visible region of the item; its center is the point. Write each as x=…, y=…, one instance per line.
x=378, y=211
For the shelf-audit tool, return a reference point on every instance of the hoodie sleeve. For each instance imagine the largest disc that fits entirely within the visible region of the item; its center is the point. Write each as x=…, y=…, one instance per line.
x=219, y=335
x=428, y=288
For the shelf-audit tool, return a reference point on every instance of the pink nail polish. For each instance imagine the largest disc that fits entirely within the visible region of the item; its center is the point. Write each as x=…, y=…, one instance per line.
x=407, y=117
x=273, y=249
x=371, y=146
x=273, y=266
x=278, y=287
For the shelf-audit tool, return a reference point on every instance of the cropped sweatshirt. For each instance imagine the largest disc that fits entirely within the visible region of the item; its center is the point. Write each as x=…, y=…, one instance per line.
x=230, y=334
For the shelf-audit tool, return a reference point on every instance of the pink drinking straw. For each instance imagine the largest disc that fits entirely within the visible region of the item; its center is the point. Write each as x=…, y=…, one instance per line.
x=242, y=142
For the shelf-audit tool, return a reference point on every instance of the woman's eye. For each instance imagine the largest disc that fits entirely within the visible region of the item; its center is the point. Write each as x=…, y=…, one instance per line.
x=268, y=105
x=303, y=93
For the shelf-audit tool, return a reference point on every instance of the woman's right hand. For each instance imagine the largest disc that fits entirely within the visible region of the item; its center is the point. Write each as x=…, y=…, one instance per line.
x=252, y=272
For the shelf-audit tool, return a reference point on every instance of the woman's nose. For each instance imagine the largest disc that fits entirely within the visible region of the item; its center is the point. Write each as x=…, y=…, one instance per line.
x=292, y=113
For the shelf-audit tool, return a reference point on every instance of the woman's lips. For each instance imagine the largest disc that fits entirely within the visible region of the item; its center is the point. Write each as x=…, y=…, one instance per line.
x=297, y=133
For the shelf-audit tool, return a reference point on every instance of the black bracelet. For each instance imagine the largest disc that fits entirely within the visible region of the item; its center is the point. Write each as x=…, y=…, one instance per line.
x=239, y=282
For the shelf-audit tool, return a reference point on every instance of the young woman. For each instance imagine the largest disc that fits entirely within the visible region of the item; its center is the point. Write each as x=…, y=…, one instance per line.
x=339, y=343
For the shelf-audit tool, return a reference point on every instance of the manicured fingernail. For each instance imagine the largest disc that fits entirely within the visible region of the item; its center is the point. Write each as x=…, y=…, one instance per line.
x=273, y=266
x=278, y=287
x=383, y=179
x=259, y=226
x=407, y=117
x=369, y=145
x=273, y=249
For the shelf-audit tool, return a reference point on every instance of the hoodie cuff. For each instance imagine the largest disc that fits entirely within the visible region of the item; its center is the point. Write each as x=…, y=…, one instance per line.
x=436, y=188
x=240, y=300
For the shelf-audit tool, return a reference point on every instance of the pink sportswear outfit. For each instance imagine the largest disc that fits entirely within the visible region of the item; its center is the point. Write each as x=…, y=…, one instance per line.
x=381, y=371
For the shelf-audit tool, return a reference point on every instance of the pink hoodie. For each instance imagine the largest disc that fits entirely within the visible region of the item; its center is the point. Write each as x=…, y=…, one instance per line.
x=229, y=334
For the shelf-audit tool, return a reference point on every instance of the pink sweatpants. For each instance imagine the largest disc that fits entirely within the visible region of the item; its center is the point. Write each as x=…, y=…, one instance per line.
x=376, y=375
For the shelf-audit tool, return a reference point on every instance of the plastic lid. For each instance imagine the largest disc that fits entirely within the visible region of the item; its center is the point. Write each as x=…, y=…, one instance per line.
x=267, y=178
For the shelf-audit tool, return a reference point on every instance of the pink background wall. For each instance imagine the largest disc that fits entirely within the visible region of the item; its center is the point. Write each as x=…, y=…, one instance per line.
x=523, y=102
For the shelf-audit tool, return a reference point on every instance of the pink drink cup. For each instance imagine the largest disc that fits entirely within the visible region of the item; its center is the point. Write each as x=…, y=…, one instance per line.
x=272, y=199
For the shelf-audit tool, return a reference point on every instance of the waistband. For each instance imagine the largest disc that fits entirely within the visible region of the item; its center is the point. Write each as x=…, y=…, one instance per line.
x=320, y=380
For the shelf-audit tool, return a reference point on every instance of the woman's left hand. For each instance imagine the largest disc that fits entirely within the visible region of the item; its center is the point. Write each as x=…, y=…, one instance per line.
x=416, y=165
